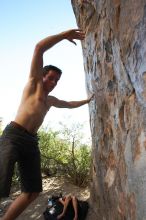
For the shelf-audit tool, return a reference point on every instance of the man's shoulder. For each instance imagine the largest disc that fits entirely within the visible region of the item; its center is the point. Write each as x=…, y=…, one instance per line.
x=52, y=100
x=35, y=80
x=32, y=87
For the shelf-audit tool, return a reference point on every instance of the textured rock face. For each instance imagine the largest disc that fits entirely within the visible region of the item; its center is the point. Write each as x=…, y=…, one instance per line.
x=114, y=52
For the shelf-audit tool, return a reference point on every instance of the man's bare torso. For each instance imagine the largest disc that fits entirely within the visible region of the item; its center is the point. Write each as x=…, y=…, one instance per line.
x=33, y=107
x=35, y=101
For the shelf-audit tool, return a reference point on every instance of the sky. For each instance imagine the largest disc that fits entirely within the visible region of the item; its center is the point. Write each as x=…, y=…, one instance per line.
x=23, y=24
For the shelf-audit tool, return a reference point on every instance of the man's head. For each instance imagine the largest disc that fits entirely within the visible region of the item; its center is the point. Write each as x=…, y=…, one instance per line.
x=51, y=75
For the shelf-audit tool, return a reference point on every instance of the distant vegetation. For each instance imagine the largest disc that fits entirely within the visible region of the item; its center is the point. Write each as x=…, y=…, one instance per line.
x=63, y=152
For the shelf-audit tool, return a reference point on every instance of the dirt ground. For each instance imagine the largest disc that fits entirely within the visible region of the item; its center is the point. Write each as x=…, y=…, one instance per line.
x=53, y=185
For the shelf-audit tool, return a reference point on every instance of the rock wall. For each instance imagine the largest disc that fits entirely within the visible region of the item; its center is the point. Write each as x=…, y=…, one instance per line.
x=114, y=53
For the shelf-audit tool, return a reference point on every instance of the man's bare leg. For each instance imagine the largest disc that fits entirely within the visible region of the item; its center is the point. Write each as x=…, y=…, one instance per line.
x=19, y=204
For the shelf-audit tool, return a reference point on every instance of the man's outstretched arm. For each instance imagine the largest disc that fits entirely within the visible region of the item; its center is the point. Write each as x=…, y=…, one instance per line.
x=47, y=43
x=53, y=101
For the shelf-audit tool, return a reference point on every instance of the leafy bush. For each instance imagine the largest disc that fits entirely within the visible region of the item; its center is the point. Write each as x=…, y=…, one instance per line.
x=62, y=152
x=53, y=152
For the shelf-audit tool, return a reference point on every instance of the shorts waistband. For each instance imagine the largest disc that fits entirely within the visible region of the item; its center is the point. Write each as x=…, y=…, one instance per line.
x=20, y=127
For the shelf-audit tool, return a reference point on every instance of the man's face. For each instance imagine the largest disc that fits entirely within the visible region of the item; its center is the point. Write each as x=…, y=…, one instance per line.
x=50, y=80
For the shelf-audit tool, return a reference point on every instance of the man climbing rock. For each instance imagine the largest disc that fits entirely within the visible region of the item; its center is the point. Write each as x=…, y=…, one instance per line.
x=19, y=141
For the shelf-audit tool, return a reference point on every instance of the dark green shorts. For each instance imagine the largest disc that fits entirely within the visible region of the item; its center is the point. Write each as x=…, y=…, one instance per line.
x=18, y=145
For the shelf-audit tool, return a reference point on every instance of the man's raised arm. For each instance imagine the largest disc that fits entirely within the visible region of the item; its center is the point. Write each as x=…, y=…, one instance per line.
x=47, y=43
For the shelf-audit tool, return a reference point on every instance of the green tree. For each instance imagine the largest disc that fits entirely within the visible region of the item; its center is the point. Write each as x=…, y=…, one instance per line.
x=53, y=152
x=64, y=151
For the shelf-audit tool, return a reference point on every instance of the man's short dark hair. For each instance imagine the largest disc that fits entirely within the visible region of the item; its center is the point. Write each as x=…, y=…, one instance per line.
x=47, y=68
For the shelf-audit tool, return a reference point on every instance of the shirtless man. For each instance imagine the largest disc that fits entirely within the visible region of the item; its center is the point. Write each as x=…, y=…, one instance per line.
x=19, y=140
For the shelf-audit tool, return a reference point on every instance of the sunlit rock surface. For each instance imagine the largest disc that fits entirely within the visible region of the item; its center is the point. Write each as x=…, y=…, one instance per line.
x=114, y=53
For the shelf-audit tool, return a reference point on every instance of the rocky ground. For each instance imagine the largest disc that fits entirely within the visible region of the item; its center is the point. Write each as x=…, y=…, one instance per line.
x=53, y=185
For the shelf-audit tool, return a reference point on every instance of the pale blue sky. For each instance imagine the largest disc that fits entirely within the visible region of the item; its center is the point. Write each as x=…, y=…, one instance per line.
x=23, y=24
